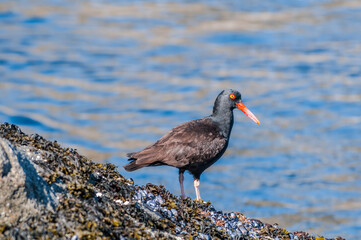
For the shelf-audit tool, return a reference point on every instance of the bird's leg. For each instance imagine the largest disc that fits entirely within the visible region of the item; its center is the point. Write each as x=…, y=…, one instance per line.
x=196, y=185
x=181, y=179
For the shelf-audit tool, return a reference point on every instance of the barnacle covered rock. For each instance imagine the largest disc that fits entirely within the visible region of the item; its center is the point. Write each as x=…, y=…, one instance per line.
x=50, y=192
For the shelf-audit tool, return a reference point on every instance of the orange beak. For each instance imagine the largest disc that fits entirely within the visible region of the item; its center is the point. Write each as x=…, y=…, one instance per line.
x=246, y=111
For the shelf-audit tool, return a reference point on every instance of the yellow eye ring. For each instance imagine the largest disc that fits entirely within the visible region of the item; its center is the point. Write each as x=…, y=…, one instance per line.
x=232, y=96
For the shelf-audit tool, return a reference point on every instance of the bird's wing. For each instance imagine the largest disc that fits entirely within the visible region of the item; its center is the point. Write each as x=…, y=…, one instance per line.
x=191, y=142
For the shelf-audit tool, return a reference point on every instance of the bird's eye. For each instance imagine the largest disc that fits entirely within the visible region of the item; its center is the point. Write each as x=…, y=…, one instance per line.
x=232, y=96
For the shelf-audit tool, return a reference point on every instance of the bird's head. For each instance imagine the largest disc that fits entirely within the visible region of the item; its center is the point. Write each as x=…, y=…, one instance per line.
x=232, y=99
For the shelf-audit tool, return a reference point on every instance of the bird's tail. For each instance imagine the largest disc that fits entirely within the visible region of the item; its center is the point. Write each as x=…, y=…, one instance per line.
x=140, y=160
x=132, y=166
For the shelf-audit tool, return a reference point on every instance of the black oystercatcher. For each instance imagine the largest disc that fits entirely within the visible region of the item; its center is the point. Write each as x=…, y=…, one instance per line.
x=194, y=145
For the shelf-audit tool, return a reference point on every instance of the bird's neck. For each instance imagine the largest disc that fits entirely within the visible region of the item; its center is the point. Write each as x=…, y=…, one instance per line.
x=224, y=119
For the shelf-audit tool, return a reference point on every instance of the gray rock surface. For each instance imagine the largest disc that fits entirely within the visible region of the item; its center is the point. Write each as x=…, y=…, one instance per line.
x=24, y=193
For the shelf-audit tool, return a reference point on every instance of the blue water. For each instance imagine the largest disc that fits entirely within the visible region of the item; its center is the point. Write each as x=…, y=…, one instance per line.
x=110, y=77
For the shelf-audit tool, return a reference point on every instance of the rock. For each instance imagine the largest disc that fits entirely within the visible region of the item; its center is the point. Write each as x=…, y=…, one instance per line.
x=24, y=193
x=50, y=192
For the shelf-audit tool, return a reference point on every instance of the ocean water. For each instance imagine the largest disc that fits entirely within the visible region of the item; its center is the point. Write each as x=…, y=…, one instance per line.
x=111, y=77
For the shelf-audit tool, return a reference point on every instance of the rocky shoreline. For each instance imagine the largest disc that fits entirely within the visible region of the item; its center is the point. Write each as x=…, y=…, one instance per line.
x=50, y=192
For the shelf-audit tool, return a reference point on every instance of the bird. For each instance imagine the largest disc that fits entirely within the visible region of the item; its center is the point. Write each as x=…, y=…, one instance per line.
x=194, y=145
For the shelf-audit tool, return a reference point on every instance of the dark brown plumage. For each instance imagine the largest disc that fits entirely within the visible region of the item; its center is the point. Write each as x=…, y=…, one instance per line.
x=194, y=145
